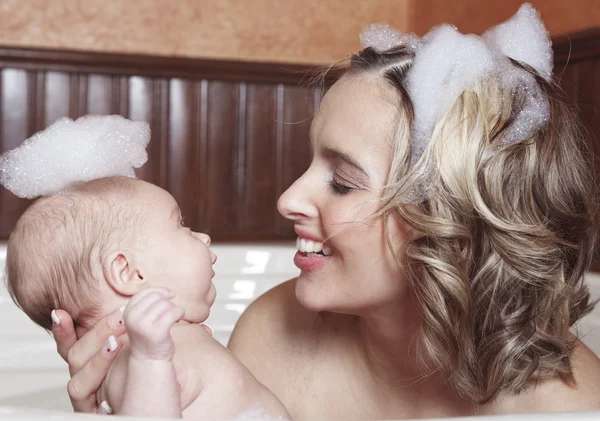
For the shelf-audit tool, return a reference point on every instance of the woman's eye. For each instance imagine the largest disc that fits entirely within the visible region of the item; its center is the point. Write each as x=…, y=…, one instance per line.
x=338, y=188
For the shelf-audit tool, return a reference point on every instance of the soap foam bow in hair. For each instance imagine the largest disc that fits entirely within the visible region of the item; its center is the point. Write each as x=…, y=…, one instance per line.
x=71, y=152
x=524, y=38
x=447, y=63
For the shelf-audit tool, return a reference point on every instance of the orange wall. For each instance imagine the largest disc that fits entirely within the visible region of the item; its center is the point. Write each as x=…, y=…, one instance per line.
x=302, y=31
x=296, y=31
x=475, y=16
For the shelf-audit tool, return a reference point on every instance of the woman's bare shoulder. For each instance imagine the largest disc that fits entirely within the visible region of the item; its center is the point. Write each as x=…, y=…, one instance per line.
x=560, y=395
x=272, y=320
x=581, y=395
x=586, y=368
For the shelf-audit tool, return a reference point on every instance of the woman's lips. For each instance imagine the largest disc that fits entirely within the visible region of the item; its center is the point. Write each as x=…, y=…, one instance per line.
x=309, y=263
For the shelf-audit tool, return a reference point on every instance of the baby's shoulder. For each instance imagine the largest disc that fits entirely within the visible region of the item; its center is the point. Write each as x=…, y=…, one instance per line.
x=201, y=362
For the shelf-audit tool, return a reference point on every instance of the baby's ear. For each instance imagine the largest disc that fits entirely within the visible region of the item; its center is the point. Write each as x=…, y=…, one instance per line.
x=122, y=274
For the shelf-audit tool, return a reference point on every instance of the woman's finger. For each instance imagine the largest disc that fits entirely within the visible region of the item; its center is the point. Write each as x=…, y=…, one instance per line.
x=84, y=384
x=95, y=338
x=63, y=332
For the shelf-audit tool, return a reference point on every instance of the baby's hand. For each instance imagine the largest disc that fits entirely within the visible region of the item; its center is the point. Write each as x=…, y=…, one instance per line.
x=148, y=319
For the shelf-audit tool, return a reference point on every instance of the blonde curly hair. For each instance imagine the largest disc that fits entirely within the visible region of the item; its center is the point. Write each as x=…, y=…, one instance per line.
x=503, y=238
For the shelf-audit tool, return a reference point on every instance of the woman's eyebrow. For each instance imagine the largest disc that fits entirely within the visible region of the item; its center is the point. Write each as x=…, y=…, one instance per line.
x=334, y=153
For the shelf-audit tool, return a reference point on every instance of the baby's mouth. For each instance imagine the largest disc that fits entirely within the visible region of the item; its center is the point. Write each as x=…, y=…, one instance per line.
x=312, y=248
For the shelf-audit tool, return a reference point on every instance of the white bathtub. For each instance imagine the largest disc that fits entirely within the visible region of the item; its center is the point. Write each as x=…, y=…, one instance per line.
x=33, y=377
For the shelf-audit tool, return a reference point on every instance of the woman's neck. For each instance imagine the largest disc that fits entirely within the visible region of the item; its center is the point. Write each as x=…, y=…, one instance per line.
x=392, y=356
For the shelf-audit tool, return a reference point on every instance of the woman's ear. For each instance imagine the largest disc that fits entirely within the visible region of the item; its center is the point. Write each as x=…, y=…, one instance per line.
x=122, y=273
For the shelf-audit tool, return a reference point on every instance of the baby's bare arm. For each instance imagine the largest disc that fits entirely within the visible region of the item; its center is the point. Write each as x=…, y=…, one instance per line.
x=143, y=388
x=143, y=381
x=229, y=389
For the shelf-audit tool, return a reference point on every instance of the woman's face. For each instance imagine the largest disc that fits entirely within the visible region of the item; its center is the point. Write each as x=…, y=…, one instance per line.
x=332, y=203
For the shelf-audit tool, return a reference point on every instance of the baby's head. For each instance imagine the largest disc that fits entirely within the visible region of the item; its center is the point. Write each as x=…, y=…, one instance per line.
x=88, y=250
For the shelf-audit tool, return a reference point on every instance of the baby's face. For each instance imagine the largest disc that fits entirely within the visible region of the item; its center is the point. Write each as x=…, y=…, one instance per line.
x=174, y=256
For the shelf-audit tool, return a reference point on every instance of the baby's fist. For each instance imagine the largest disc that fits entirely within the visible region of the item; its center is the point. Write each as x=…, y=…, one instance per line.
x=148, y=318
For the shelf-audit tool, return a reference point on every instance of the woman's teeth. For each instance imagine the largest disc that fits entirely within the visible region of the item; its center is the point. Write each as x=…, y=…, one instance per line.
x=312, y=248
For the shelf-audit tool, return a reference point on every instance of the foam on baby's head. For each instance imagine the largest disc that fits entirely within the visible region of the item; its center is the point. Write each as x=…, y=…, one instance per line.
x=69, y=152
x=69, y=234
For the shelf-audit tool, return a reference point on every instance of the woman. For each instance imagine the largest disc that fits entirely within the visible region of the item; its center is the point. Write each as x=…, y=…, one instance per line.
x=455, y=223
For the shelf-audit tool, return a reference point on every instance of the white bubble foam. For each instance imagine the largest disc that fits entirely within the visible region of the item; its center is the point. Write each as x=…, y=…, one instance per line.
x=446, y=64
x=524, y=38
x=70, y=152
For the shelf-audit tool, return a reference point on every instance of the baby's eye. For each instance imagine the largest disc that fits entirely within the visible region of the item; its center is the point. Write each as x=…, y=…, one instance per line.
x=181, y=222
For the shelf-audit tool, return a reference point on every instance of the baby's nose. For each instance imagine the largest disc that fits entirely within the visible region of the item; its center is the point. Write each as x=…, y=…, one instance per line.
x=204, y=237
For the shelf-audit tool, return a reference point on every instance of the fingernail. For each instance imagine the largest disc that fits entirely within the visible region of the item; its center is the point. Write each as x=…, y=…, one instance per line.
x=116, y=319
x=55, y=318
x=104, y=409
x=109, y=347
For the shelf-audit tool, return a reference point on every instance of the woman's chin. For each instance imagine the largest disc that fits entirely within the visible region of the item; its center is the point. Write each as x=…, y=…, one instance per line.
x=309, y=296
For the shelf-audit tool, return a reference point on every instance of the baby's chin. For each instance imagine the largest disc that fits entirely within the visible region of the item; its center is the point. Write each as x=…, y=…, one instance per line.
x=197, y=315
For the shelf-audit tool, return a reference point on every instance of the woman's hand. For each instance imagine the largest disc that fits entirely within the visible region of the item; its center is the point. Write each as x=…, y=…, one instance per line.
x=89, y=357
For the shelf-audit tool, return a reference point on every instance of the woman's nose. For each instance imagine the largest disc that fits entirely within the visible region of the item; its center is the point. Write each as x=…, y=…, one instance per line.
x=297, y=202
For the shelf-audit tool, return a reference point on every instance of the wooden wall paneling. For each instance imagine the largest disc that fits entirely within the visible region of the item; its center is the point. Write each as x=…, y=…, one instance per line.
x=183, y=170
x=258, y=193
x=100, y=92
x=160, y=130
x=120, y=95
x=78, y=104
x=202, y=156
x=140, y=109
x=239, y=155
x=37, y=100
x=57, y=99
x=220, y=186
x=15, y=118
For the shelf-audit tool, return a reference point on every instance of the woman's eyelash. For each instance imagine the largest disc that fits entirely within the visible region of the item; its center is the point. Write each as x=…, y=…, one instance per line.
x=340, y=189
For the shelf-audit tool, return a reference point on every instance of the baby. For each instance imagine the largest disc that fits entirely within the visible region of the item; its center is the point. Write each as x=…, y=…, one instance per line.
x=119, y=241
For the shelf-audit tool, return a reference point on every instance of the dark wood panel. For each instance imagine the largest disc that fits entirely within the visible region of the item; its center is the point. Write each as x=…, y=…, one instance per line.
x=57, y=98
x=100, y=92
x=218, y=196
x=183, y=170
x=570, y=48
x=258, y=189
x=140, y=109
x=15, y=120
